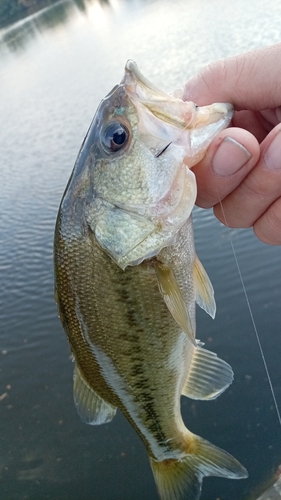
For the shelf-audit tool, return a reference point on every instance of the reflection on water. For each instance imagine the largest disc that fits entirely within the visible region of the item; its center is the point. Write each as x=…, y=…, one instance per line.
x=16, y=36
x=55, y=67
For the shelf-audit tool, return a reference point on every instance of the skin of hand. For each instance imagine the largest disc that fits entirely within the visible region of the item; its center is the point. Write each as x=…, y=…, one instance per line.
x=242, y=167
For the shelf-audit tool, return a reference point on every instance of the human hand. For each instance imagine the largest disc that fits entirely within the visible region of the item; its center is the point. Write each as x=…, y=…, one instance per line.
x=242, y=167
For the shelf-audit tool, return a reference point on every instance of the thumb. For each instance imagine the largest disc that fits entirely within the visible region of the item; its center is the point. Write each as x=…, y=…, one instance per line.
x=229, y=159
x=248, y=81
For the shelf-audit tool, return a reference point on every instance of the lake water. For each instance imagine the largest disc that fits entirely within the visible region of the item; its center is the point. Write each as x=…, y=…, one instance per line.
x=54, y=69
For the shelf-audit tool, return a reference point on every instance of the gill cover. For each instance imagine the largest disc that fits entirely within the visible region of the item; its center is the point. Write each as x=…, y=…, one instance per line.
x=142, y=198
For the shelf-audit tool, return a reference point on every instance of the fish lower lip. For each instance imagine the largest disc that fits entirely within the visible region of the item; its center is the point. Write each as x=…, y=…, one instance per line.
x=135, y=76
x=170, y=117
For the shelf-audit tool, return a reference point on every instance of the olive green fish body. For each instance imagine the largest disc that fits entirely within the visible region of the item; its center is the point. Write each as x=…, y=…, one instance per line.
x=126, y=344
x=127, y=278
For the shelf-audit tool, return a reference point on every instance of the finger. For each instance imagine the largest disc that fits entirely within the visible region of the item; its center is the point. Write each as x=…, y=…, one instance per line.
x=259, y=189
x=230, y=157
x=272, y=116
x=254, y=122
x=248, y=81
x=268, y=227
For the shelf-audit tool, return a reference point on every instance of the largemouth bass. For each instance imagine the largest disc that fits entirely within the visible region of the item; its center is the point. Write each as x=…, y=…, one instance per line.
x=127, y=278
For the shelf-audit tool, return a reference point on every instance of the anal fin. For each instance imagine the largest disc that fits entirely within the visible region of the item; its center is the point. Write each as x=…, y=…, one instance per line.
x=208, y=376
x=203, y=289
x=174, y=299
x=91, y=408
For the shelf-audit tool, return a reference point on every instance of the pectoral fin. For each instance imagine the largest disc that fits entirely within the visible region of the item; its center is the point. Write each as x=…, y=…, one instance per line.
x=208, y=377
x=91, y=408
x=204, y=289
x=173, y=297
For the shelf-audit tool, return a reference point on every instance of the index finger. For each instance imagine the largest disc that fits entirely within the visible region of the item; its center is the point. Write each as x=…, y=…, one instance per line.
x=248, y=81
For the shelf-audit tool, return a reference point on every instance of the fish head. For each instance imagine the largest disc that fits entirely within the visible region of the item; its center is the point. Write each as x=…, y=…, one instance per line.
x=135, y=162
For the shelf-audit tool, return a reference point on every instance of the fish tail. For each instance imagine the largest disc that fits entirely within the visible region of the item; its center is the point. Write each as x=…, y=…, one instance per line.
x=181, y=479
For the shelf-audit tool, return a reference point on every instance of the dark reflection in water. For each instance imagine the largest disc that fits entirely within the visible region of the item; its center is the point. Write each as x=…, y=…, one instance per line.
x=19, y=34
x=81, y=4
x=13, y=10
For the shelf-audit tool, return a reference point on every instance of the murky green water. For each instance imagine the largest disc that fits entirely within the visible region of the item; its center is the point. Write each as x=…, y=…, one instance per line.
x=54, y=69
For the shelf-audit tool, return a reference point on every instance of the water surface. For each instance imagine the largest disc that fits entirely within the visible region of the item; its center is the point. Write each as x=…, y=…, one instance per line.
x=54, y=69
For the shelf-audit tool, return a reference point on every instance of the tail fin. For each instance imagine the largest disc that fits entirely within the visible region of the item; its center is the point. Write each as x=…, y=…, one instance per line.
x=182, y=479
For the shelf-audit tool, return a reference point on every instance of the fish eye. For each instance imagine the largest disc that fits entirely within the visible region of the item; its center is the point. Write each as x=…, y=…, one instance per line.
x=114, y=137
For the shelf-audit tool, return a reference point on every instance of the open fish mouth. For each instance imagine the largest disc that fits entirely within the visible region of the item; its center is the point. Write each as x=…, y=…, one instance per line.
x=169, y=109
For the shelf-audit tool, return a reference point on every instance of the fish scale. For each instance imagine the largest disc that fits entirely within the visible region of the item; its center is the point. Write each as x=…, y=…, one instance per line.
x=136, y=347
x=127, y=278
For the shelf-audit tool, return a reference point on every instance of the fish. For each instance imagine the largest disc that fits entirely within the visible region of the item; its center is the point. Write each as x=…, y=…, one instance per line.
x=127, y=278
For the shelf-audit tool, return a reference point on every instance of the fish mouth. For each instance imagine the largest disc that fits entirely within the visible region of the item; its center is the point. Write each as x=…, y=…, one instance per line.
x=170, y=110
x=176, y=134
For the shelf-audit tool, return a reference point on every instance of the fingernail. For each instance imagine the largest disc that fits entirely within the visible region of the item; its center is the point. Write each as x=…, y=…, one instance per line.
x=272, y=156
x=230, y=157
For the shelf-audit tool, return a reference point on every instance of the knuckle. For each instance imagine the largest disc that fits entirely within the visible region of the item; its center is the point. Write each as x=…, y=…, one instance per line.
x=268, y=227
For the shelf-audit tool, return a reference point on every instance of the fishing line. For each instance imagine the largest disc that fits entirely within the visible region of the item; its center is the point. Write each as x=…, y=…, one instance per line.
x=251, y=315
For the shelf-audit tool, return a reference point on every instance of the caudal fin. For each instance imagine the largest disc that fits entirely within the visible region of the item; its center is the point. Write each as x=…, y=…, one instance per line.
x=182, y=479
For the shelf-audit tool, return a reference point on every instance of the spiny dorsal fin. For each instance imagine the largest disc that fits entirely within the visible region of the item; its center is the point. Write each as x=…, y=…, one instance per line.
x=173, y=297
x=208, y=376
x=91, y=408
x=204, y=289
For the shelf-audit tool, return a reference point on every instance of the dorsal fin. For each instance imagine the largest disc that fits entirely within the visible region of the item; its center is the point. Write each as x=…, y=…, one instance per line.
x=203, y=289
x=91, y=408
x=174, y=299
